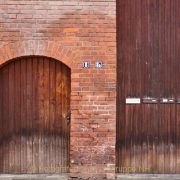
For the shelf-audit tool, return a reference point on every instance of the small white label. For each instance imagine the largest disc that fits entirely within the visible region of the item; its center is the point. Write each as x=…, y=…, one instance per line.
x=133, y=101
x=165, y=100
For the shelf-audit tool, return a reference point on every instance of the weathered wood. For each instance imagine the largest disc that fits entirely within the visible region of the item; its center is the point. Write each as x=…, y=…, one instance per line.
x=64, y=113
x=40, y=97
x=5, y=118
x=11, y=117
x=17, y=116
x=148, y=37
x=35, y=97
x=52, y=113
x=23, y=116
x=58, y=115
x=29, y=114
x=46, y=113
x=35, y=134
x=1, y=127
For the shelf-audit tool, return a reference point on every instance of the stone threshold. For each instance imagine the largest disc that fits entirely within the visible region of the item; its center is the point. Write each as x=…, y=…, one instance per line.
x=63, y=176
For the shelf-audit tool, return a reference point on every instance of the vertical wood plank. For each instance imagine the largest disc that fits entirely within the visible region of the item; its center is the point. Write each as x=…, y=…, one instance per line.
x=29, y=114
x=120, y=103
x=12, y=137
x=6, y=118
x=1, y=120
x=167, y=83
x=161, y=84
x=40, y=98
x=173, y=92
x=58, y=115
x=46, y=112
x=23, y=116
x=178, y=86
x=17, y=117
x=144, y=81
x=64, y=114
x=127, y=66
x=155, y=83
x=35, y=115
x=138, y=86
x=133, y=91
x=68, y=110
x=52, y=113
x=150, y=83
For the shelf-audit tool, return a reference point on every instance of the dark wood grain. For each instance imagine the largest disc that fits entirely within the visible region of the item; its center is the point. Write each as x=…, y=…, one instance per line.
x=23, y=98
x=1, y=127
x=17, y=116
x=58, y=116
x=35, y=97
x=46, y=112
x=29, y=114
x=148, y=36
x=11, y=117
x=5, y=99
x=177, y=55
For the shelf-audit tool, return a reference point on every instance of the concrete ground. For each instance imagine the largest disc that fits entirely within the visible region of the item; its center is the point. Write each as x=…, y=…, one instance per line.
x=66, y=177
x=34, y=176
x=147, y=176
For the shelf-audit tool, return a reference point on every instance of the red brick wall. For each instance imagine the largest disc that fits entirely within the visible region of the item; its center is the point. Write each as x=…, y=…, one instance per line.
x=88, y=28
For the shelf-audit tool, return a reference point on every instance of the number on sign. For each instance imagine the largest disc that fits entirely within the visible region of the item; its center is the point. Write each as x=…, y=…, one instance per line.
x=85, y=64
x=98, y=65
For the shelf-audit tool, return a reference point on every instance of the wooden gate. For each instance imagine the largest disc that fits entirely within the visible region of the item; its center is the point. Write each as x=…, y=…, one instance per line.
x=148, y=39
x=34, y=101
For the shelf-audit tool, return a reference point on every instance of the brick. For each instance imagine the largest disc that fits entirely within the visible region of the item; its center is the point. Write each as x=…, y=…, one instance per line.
x=2, y=50
x=69, y=53
x=1, y=59
x=12, y=16
x=71, y=39
x=55, y=3
x=54, y=49
x=71, y=30
x=71, y=58
x=8, y=52
x=63, y=54
x=12, y=2
x=56, y=39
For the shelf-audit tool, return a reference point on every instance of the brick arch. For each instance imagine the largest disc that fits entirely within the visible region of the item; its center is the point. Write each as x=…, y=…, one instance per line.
x=38, y=48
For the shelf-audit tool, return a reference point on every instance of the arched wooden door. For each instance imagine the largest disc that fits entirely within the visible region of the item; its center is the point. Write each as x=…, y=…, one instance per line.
x=34, y=101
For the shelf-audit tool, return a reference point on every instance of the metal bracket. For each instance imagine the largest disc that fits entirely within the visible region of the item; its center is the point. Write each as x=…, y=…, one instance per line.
x=150, y=101
x=68, y=118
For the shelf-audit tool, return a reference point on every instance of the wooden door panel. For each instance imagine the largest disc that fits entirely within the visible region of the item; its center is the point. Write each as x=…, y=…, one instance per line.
x=35, y=98
x=148, y=37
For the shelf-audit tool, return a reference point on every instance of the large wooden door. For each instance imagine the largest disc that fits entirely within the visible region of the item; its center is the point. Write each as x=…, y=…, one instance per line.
x=34, y=101
x=148, y=39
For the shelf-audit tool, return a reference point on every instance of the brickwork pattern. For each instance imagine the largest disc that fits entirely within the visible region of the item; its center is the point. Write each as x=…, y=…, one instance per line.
x=73, y=32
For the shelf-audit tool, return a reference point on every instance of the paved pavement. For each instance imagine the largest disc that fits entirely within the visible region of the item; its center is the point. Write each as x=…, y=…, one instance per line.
x=147, y=176
x=66, y=177
x=34, y=176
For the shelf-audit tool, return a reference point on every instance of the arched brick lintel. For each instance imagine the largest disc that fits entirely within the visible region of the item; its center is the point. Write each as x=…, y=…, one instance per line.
x=38, y=48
